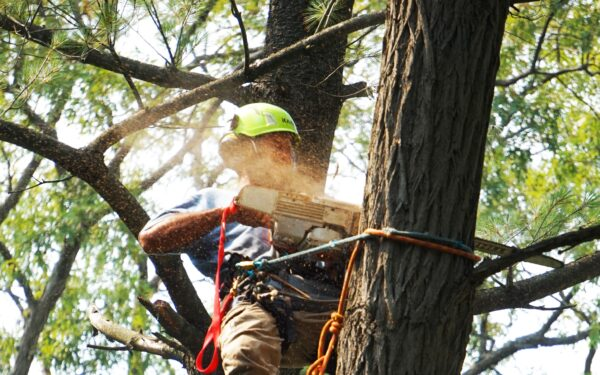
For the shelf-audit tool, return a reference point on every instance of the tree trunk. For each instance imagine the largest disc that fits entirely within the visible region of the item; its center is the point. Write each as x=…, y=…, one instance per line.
x=410, y=307
x=310, y=87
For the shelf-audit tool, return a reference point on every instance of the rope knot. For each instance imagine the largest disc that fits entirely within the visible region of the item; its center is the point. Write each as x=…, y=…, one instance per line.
x=337, y=317
x=337, y=323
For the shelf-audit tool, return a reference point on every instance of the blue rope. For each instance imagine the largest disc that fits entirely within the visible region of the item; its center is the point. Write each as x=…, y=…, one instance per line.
x=431, y=237
x=265, y=264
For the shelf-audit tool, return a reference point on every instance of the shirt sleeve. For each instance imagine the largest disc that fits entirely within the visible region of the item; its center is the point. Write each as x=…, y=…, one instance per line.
x=205, y=199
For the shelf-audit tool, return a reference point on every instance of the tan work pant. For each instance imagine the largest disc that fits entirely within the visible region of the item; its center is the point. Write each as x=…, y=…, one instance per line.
x=250, y=342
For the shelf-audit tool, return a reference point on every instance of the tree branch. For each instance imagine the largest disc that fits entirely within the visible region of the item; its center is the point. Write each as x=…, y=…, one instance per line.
x=132, y=339
x=90, y=168
x=578, y=97
x=109, y=348
x=488, y=360
x=167, y=77
x=573, y=238
x=523, y=292
x=13, y=198
x=255, y=53
x=164, y=77
x=19, y=276
x=526, y=342
x=229, y=83
x=39, y=183
x=547, y=75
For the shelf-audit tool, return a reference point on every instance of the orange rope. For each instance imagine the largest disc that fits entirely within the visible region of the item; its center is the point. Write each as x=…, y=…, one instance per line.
x=423, y=243
x=335, y=324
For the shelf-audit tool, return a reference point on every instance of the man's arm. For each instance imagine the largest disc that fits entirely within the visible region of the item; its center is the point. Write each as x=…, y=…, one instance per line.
x=180, y=230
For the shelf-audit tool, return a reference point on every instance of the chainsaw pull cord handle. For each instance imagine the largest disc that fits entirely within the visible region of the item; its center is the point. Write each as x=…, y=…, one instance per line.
x=219, y=310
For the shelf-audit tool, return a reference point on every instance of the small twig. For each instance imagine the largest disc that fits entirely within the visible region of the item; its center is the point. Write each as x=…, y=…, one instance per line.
x=238, y=16
x=544, y=308
x=74, y=19
x=154, y=16
x=191, y=144
x=325, y=19
x=136, y=93
x=182, y=127
x=497, y=281
x=352, y=163
x=16, y=300
x=180, y=38
x=9, y=175
x=538, y=48
x=37, y=10
x=109, y=348
x=27, y=86
x=524, y=1
x=40, y=182
x=578, y=97
x=363, y=35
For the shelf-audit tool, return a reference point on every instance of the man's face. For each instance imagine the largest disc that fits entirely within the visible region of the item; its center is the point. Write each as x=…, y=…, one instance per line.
x=267, y=160
x=276, y=147
x=271, y=164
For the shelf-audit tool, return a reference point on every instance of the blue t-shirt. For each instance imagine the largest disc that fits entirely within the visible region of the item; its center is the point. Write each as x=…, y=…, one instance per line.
x=249, y=242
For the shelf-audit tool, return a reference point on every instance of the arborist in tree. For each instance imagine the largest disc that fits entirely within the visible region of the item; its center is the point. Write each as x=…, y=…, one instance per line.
x=275, y=319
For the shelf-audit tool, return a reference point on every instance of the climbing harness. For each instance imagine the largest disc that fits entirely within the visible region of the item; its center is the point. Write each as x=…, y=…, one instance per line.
x=219, y=309
x=335, y=323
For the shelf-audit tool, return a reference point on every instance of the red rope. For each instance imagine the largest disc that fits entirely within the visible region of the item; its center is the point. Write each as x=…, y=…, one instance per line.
x=219, y=310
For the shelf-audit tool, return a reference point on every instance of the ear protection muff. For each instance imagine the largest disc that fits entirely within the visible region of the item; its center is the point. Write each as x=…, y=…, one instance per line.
x=234, y=149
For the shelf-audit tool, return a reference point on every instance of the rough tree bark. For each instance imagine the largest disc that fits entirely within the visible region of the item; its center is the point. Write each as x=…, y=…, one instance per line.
x=410, y=308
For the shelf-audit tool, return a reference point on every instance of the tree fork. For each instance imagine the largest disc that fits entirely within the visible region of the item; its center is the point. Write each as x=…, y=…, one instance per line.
x=410, y=309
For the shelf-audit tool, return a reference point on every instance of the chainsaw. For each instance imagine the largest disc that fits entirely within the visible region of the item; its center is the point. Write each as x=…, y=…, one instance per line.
x=302, y=221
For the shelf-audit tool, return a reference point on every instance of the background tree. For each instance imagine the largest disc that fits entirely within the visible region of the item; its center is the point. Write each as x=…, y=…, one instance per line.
x=96, y=87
